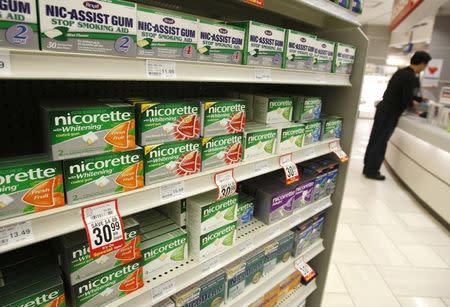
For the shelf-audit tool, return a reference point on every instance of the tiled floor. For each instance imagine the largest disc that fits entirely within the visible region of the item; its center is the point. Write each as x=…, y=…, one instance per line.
x=389, y=251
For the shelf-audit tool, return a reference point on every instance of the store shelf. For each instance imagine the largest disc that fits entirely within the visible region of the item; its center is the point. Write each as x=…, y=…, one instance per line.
x=333, y=9
x=298, y=295
x=281, y=272
x=59, y=66
x=250, y=237
x=59, y=221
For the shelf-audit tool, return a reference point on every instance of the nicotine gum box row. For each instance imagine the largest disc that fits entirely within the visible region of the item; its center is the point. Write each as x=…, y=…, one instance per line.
x=30, y=184
x=259, y=141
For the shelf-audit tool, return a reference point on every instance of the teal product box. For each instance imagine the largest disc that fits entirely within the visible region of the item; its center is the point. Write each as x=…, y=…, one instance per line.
x=324, y=55
x=254, y=267
x=263, y=44
x=313, y=130
x=306, y=108
x=235, y=283
x=302, y=238
x=270, y=256
x=331, y=128
x=285, y=244
x=317, y=226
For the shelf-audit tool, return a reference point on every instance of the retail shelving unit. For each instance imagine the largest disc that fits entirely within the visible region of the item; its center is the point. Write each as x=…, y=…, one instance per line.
x=35, y=75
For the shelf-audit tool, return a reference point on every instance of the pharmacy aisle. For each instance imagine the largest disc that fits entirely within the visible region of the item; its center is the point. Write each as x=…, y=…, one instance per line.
x=389, y=251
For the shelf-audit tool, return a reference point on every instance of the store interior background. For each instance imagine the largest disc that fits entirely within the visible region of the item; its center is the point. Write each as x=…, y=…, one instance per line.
x=390, y=249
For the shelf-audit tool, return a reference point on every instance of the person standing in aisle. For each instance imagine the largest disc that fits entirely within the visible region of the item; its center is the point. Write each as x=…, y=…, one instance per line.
x=402, y=92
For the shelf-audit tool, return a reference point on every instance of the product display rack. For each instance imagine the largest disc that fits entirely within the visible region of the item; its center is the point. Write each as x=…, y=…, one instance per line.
x=340, y=93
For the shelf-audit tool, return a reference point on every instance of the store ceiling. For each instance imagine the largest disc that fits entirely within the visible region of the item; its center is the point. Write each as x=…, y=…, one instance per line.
x=376, y=12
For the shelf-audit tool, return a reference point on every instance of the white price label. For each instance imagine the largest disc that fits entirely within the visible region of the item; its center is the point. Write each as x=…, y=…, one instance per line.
x=210, y=265
x=5, y=63
x=161, y=70
x=336, y=148
x=163, y=290
x=226, y=184
x=104, y=227
x=274, y=232
x=263, y=74
x=245, y=247
x=15, y=233
x=261, y=167
x=290, y=169
x=171, y=191
x=307, y=272
x=309, y=152
x=320, y=78
x=294, y=220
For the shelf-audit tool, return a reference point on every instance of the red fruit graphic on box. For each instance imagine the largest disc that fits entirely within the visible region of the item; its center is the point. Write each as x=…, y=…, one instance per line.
x=189, y=163
x=130, y=251
x=132, y=282
x=233, y=154
x=236, y=123
x=187, y=127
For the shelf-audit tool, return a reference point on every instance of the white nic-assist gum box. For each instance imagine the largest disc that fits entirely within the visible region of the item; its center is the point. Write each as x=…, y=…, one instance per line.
x=106, y=27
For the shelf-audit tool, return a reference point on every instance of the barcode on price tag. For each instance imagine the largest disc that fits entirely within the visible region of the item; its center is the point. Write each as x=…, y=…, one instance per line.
x=161, y=70
x=307, y=272
x=336, y=148
x=163, y=290
x=263, y=74
x=172, y=191
x=226, y=184
x=261, y=167
x=245, y=247
x=210, y=265
x=15, y=233
x=290, y=169
x=104, y=227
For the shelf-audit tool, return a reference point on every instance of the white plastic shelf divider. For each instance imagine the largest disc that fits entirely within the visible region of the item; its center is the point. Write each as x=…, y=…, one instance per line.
x=44, y=65
x=250, y=237
x=53, y=223
x=281, y=272
x=333, y=9
x=298, y=295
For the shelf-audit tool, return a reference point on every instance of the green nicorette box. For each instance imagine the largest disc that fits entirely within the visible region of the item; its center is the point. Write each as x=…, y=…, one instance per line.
x=221, y=116
x=172, y=160
x=107, y=287
x=166, y=34
x=85, y=128
x=331, y=127
x=324, y=55
x=306, y=108
x=166, y=121
x=263, y=45
x=48, y=292
x=77, y=263
x=221, y=150
x=245, y=209
x=19, y=25
x=344, y=57
x=219, y=42
x=285, y=244
x=299, y=50
x=272, y=109
x=94, y=27
x=259, y=141
x=30, y=184
x=101, y=175
x=290, y=137
x=313, y=130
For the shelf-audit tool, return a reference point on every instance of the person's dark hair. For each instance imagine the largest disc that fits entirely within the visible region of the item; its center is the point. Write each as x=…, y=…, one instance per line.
x=420, y=57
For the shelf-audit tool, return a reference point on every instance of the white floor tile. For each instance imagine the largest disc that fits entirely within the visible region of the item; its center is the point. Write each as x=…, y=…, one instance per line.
x=337, y=300
x=351, y=203
x=349, y=252
x=416, y=282
x=420, y=302
x=417, y=220
x=422, y=256
x=344, y=233
x=446, y=301
x=444, y=253
x=379, y=247
x=366, y=286
x=381, y=213
x=334, y=282
x=355, y=216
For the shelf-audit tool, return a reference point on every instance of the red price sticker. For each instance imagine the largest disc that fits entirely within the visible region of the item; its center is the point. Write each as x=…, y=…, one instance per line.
x=307, y=272
x=259, y=3
x=104, y=227
x=226, y=184
x=290, y=169
x=336, y=148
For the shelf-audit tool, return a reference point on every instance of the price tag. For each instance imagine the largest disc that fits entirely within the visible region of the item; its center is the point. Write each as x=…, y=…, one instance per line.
x=161, y=70
x=320, y=78
x=245, y=247
x=226, y=184
x=307, y=272
x=263, y=74
x=261, y=167
x=5, y=63
x=309, y=152
x=294, y=220
x=170, y=191
x=163, y=290
x=210, y=265
x=290, y=169
x=259, y=3
x=336, y=148
x=15, y=233
x=274, y=232
x=104, y=227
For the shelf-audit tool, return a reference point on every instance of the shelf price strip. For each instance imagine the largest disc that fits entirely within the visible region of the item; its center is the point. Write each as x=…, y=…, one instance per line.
x=336, y=148
x=290, y=169
x=161, y=70
x=226, y=184
x=15, y=233
x=104, y=227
